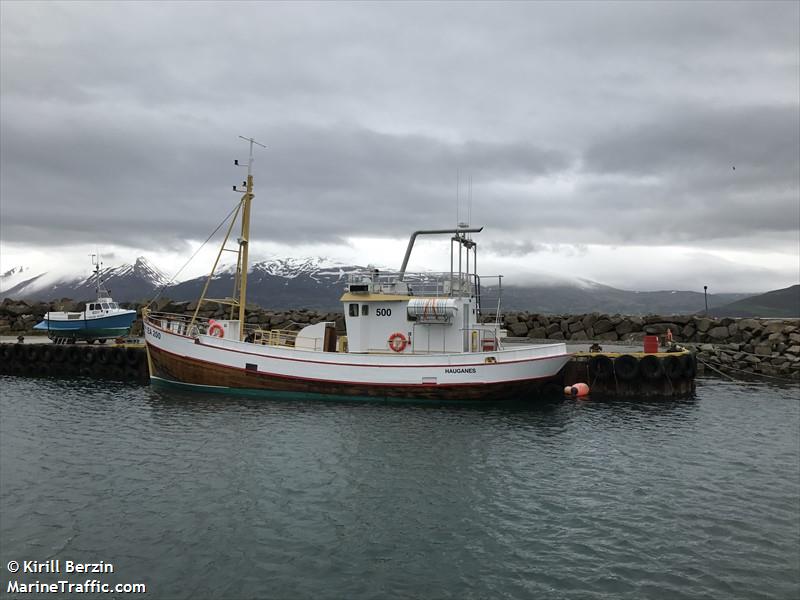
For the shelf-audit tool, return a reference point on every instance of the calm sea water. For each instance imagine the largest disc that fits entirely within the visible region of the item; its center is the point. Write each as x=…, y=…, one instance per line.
x=204, y=496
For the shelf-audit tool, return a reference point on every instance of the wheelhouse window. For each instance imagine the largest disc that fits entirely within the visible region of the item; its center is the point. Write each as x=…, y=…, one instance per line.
x=93, y=306
x=364, y=310
x=353, y=310
x=105, y=305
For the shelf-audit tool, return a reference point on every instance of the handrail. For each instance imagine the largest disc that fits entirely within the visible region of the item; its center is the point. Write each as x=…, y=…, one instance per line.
x=413, y=238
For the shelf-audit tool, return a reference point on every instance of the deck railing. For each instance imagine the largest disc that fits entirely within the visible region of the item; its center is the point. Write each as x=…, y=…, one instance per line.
x=254, y=333
x=487, y=288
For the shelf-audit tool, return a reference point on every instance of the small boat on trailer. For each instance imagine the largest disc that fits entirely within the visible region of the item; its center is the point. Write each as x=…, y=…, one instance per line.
x=101, y=320
x=406, y=338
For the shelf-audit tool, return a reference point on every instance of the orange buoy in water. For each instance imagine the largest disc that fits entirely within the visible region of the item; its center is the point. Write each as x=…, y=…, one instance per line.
x=577, y=390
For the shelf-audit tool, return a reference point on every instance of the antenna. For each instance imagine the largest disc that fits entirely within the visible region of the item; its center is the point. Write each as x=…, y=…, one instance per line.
x=249, y=160
x=458, y=181
x=97, y=263
x=469, y=203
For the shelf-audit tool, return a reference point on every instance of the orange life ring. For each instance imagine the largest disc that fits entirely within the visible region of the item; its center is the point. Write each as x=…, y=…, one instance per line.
x=215, y=329
x=398, y=342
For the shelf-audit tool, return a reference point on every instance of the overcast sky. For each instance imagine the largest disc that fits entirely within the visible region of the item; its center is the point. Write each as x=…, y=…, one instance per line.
x=641, y=145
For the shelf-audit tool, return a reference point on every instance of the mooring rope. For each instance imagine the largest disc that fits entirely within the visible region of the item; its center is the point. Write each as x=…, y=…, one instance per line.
x=784, y=379
x=716, y=370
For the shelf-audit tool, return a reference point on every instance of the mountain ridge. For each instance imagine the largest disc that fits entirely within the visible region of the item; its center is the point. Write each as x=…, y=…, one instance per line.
x=782, y=303
x=318, y=283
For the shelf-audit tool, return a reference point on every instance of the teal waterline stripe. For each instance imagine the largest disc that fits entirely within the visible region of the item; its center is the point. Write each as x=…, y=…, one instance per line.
x=212, y=389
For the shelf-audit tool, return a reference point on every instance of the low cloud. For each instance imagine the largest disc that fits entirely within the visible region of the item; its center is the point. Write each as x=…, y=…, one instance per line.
x=606, y=124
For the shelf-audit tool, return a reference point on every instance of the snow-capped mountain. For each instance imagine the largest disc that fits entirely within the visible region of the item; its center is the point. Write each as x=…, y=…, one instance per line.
x=318, y=283
x=14, y=276
x=277, y=283
x=126, y=283
x=291, y=268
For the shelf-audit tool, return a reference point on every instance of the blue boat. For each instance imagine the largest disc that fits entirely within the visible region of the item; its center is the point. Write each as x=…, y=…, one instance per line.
x=101, y=319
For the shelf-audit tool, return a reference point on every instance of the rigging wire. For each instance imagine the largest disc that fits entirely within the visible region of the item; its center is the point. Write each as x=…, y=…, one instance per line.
x=213, y=233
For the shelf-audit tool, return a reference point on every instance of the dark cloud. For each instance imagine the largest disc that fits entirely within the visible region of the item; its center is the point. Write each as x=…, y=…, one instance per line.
x=579, y=123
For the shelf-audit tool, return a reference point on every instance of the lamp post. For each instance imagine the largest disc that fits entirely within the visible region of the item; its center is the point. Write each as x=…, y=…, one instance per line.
x=705, y=297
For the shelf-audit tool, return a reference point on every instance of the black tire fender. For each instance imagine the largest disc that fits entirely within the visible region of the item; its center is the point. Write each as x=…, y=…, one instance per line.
x=601, y=367
x=103, y=356
x=132, y=357
x=31, y=352
x=88, y=356
x=59, y=353
x=626, y=367
x=672, y=366
x=651, y=367
x=73, y=355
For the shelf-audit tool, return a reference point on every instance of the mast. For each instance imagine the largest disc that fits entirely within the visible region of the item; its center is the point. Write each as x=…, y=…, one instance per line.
x=96, y=262
x=239, y=297
x=245, y=237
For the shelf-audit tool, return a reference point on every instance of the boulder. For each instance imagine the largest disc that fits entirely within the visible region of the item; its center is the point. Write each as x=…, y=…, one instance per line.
x=718, y=333
x=610, y=336
x=579, y=335
x=552, y=329
x=703, y=325
x=589, y=320
x=624, y=327
x=556, y=336
x=774, y=327
x=602, y=326
x=680, y=319
x=20, y=308
x=538, y=333
x=577, y=326
x=763, y=350
x=749, y=324
x=518, y=329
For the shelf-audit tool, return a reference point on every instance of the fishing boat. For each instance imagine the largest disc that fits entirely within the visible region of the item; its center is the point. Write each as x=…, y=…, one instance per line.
x=102, y=319
x=406, y=337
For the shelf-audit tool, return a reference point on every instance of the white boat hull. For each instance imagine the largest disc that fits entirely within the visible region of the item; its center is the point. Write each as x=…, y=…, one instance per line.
x=226, y=364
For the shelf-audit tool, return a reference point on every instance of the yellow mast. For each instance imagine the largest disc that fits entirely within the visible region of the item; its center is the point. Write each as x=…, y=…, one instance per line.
x=241, y=263
x=243, y=244
x=245, y=238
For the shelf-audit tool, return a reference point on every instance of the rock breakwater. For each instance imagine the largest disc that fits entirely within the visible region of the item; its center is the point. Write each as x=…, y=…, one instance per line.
x=764, y=346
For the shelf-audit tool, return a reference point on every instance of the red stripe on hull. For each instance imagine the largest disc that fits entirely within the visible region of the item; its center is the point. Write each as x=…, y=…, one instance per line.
x=173, y=367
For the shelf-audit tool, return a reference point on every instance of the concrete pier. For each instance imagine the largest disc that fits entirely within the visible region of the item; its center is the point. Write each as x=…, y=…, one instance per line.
x=41, y=358
x=625, y=371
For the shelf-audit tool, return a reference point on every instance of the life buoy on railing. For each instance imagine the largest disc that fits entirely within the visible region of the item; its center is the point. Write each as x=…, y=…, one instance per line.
x=215, y=329
x=398, y=342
